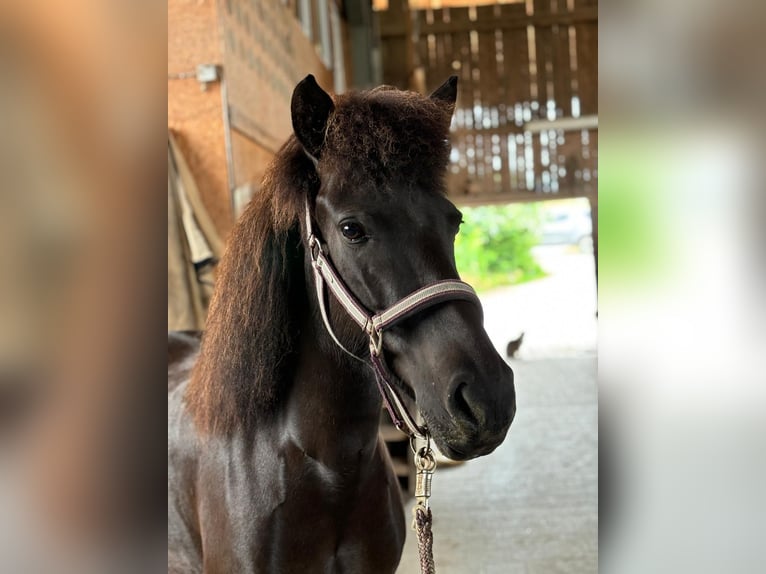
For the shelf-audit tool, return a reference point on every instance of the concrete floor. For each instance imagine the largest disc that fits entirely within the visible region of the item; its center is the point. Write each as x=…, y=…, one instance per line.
x=531, y=507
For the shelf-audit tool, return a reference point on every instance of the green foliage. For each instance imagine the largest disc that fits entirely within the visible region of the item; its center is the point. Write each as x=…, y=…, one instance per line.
x=637, y=178
x=494, y=246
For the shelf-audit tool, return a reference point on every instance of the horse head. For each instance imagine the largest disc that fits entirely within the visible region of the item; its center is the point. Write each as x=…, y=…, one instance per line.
x=381, y=209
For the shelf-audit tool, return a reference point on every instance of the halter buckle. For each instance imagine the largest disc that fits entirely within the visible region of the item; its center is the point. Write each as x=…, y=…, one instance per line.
x=315, y=247
x=376, y=341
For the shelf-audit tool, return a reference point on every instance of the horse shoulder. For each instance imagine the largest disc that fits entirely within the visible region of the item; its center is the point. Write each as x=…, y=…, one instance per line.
x=184, y=541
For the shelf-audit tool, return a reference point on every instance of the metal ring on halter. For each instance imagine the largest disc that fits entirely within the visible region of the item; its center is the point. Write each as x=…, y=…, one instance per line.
x=414, y=446
x=424, y=459
x=423, y=450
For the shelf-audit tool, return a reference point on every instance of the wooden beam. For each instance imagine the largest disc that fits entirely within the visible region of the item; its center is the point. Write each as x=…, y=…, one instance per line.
x=566, y=124
x=580, y=16
x=495, y=198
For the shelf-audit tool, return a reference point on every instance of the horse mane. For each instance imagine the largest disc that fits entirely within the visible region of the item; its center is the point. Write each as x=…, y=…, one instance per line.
x=260, y=296
x=251, y=323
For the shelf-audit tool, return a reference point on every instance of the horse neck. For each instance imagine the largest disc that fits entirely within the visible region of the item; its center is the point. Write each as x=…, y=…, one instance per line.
x=334, y=406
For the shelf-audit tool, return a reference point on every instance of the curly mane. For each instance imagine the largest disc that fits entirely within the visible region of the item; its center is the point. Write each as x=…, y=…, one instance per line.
x=252, y=320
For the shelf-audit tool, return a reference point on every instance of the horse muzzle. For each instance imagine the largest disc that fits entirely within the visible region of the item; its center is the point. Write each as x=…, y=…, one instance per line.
x=477, y=415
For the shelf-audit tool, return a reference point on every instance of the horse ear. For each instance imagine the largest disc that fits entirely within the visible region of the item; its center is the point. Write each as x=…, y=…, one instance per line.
x=447, y=92
x=310, y=107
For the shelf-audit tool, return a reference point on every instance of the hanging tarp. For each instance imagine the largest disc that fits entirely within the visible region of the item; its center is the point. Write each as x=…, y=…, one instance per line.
x=193, y=247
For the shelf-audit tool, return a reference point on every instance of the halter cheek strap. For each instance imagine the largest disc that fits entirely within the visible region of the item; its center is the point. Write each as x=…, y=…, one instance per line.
x=374, y=325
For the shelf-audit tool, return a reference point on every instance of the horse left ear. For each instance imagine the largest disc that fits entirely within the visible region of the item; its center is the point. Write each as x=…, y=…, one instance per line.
x=447, y=92
x=310, y=107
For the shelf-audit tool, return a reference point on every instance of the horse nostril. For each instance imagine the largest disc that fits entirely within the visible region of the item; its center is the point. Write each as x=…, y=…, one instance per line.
x=460, y=403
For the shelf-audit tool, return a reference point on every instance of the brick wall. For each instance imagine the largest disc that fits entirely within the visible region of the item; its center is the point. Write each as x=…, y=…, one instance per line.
x=263, y=53
x=194, y=115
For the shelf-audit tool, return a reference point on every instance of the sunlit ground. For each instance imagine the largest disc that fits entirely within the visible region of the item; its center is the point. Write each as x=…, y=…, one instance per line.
x=557, y=313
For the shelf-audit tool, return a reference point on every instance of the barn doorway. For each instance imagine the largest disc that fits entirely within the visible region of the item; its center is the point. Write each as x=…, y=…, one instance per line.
x=534, y=268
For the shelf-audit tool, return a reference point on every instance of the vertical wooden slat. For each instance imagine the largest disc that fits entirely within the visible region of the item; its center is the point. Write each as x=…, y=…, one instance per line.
x=542, y=6
x=461, y=43
x=505, y=162
x=486, y=59
x=443, y=63
x=428, y=40
x=489, y=86
x=594, y=161
x=521, y=160
x=562, y=77
x=536, y=163
x=518, y=90
x=543, y=51
x=396, y=51
x=516, y=58
x=587, y=67
x=461, y=52
x=421, y=48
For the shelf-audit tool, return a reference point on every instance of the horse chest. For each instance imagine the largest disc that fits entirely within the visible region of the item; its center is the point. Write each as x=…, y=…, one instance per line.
x=300, y=516
x=340, y=521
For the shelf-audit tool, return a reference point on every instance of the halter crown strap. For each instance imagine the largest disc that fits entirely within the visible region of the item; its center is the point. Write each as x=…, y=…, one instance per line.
x=375, y=324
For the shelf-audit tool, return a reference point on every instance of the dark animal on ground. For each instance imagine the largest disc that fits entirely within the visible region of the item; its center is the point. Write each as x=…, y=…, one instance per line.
x=513, y=346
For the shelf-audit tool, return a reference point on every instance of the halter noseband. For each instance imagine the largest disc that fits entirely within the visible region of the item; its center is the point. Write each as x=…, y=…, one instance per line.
x=375, y=324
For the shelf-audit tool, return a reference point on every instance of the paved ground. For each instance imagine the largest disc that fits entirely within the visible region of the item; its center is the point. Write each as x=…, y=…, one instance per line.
x=532, y=506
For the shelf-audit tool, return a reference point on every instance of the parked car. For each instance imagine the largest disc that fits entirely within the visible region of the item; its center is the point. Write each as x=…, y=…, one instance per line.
x=568, y=227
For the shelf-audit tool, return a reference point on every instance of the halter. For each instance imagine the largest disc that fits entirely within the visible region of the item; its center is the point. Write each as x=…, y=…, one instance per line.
x=375, y=324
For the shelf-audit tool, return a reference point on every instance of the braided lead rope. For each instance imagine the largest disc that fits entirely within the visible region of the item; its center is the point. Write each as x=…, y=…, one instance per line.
x=423, y=521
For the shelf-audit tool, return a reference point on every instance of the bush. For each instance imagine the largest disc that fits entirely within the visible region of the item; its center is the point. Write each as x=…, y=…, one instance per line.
x=494, y=246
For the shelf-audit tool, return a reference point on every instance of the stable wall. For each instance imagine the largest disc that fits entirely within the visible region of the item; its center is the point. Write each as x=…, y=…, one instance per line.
x=230, y=130
x=194, y=115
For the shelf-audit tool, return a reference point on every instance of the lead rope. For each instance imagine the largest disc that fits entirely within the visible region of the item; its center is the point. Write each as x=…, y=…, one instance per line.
x=422, y=518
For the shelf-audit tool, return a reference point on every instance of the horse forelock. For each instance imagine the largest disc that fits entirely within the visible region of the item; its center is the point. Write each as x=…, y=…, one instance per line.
x=388, y=135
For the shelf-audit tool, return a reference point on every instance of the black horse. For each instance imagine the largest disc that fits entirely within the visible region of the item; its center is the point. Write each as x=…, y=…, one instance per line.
x=274, y=459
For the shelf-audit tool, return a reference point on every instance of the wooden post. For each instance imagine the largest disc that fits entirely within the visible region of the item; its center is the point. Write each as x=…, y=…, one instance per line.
x=397, y=48
x=593, y=199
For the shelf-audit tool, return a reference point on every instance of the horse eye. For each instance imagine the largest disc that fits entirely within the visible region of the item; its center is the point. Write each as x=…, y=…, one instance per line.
x=354, y=232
